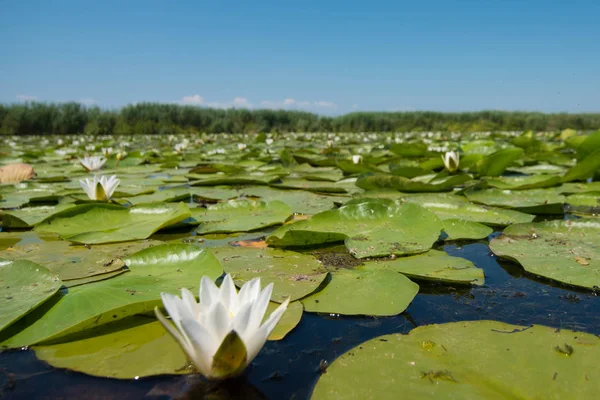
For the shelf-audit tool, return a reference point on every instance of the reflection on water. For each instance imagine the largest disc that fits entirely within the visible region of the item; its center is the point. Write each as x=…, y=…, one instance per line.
x=289, y=368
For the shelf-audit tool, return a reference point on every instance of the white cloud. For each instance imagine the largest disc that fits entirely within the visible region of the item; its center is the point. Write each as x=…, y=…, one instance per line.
x=325, y=104
x=197, y=100
x=24, y=97
x=88, y=101
x=293, y=104
x=194, y=99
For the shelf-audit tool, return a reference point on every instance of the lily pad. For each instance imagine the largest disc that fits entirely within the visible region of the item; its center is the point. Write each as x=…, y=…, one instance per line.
x=132, y=348
x=25, y=285
x=71, y=262
x=137, y=347
x=358, y=292
x=468, y=360
x=290, y=319
x=495, y=163
x=565, y=251
x=163, y=268
x=239, y=216
x=300, y=201
x=108, y=223
x=166, y=196
x=434, y=266
x=533, y=201
x=524, y=182
x=293, y=275
x=450, y=206
x=29, y=217
x=461, y=229
x=400, y=183
x=369, y=228
x=583, y=203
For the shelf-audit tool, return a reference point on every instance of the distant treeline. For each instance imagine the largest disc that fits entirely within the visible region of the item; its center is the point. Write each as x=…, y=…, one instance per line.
x=154, y=118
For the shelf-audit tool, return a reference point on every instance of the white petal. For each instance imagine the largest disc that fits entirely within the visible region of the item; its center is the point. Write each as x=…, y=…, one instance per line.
x=189, y=301
x=209, y=292
x=257, y=340
x=218, y=321
x=242, y=321
x=205, y=346
x=228, y=294
x=249, y=292
x=178, y=334
x=259, y=308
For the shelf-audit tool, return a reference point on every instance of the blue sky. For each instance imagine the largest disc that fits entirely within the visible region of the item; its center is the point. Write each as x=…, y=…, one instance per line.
x=329, y=57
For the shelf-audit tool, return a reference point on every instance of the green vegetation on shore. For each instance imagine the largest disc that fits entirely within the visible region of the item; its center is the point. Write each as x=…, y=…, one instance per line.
x=155, y=118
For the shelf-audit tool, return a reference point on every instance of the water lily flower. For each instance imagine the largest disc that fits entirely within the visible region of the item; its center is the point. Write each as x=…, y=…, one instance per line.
x=357, y=158
x=222, y=334
x=269, y=141
x=180, y=147
x=92, y=163
x=242, y=146
x=451, y=160
x=100, y=188
x=107, y=151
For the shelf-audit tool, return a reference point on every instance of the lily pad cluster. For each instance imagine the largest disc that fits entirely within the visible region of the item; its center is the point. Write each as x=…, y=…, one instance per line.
x=350, y=225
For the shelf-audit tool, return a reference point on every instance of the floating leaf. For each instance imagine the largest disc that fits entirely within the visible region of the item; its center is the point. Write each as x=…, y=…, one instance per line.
x=552, y=249
x=534, y=201
x=29, y=217
x=108, y=223
x=369, y=228
x=434, y=265
x=70, y=262
x=293, y=275
x=163, y=268
x=496, y=163
x=467, y=360
x=239, y=216
x=24, y=286
x=358, y=292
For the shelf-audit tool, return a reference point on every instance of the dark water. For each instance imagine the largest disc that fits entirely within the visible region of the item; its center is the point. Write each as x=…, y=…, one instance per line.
x=289, y=369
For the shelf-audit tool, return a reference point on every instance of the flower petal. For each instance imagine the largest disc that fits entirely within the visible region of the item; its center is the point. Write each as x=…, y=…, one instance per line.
x=228, y=294
x=204, y=344
x=257, y=340
x=209, y=292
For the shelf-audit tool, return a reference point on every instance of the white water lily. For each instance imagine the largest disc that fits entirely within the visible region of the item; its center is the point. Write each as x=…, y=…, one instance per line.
x=92, y=163
x=242, y=146
x=100, y=188
x=269, y=141
x=451, y=160
x=180, y=147
x=222, y=334
x=357, y=158
x=107, y=151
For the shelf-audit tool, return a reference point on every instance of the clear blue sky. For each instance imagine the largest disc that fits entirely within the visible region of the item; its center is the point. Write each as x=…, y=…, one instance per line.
x=325, y=56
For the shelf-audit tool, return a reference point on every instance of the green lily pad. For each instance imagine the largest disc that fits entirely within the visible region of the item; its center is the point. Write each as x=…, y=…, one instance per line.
x=300, y=201
x=434, y=266
x=450, y=206
x=132, y=348
x=400, y=183
x=29, y=217
x=160, y=196
x=315, y=186
x=25, y=285
x=369, y=228
x=239, y=216
x=524, y=182
x=565, y=251
x=293, y=275
x=289, y=320
x=137, y=347
x=495, y=163
x=585, y=168
x=358, y=292
x=108, y=223
x=583, y=203
x=457, y=229
x=533, y=201
x=467, y=360
x=163, y=268
x=71, y=262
